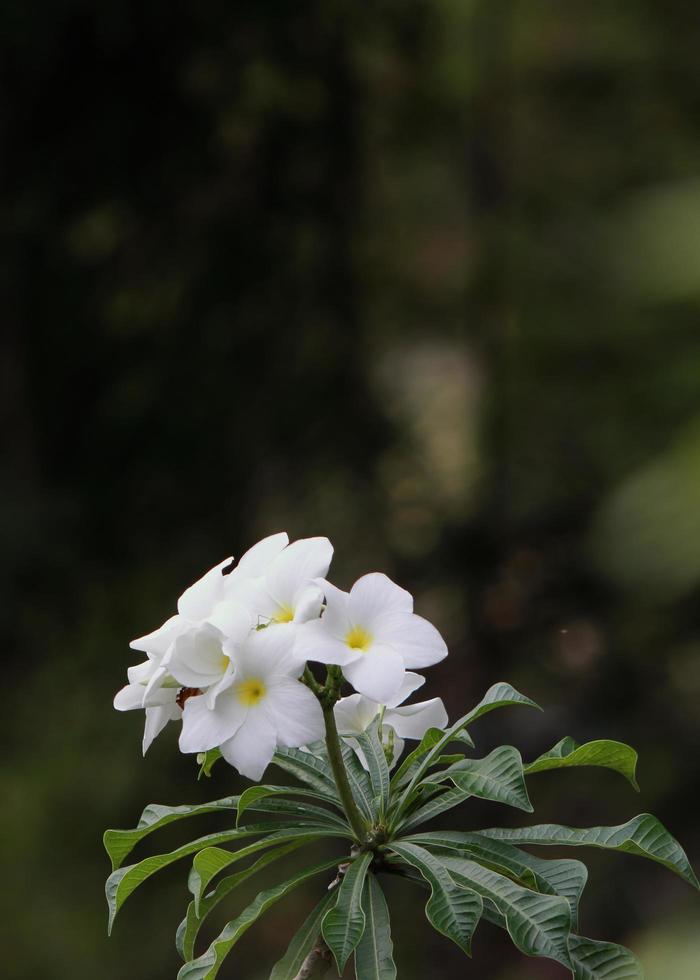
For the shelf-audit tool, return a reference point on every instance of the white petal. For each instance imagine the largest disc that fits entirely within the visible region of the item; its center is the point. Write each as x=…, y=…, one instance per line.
x=296, y=711
x=159, y=640
x=315, y=642
x=156, y=720
x=336, y=620
x=267, y=652
x=378, y=673
x=197, y=658
x=375, y=595
x=159, y=695
x=307, y=604
x=199, y=599
x=205, y=728
x=417, y=640
x=142, y=673
x=255, y=561
x=233, y=619
x=354, y=713
x=222, y=685
x=252, y=747
x=129, y=698
x=296, y=567
x=414, y=720
x=411, y=683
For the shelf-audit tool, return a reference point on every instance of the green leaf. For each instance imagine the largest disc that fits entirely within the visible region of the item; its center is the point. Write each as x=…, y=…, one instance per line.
x=376, y=761
x=212, y=860
x=310, y=769
x=562, y=876
x=603, y=752
x=122, y=882
x=206, y=762
x=438, y=804
x=409, y=766
x=207, y=966
x=120, y=843
x=196, y=914
x=374, y=958
x=498, y=777
x=497, y=696
x=359, y=782
x=592, y=960
x=320, y=815
x=644, y=835
x=452, y=910
x=539, y=925
x=343, y=925
x=303, y=942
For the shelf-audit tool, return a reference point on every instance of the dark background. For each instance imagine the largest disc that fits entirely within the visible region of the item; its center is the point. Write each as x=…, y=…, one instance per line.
x=420, y=276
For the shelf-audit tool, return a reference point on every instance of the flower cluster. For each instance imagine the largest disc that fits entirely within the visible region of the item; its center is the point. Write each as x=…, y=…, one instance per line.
x=229, y=664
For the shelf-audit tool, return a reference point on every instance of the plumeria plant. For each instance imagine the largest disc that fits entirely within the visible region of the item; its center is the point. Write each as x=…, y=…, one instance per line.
x=234, y=667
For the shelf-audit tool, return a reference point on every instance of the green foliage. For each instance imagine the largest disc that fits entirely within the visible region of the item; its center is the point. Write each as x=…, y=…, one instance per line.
x=469, y=876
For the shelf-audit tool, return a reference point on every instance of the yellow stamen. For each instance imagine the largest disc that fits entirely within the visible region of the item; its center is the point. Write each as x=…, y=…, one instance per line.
x=250, y=691
x=223, y=663
x=359, y=639
x=284, y=615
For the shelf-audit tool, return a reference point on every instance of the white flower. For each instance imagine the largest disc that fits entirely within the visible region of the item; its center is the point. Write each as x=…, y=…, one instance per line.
x=160, y=701
x=288, y=591
x=373, y=633
x=266, y=706
x=355, y=713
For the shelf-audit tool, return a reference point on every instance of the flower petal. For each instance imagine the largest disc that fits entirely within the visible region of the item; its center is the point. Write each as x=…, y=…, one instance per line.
x=417, y=640
x=159, y=640
x=205, y=728
x=197, y=658
x=411, y=683
x=414, y=720
x=315, y=642
x=256, y=559
x=307, y=604
x=267, y=652
x=199, y=599
x=375, y=595
x=129, y=697
x=252, y=747
x=296, y=567
x=233, y=619
x=156, y=720
x=335, y=617
x=354, y=713
x=296, y=711
x=378, y=673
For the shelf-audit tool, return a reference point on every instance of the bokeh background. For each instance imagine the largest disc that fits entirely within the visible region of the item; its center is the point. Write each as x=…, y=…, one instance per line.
x=421, y=276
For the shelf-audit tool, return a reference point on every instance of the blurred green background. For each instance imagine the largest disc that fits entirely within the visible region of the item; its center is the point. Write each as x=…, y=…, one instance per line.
x=420, y=276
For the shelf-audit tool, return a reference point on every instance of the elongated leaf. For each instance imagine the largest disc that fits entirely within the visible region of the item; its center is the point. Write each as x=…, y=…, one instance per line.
x=359, y=782
x=310, y=769
x=452, y=910
x=498, y=777
x=206, y=762
x=435, y=806
x=343, y=925
x=189, y=927
x=378, y=768
x=374, y=956
x=603, y=752
x=497, y=696
x=409, y=766
x=561, y=876
x=120, y=843
x=592, y=960
x=207, y=966
x=644, y=835
x=254, y=794
x=212, y=860
x=123, y=882
x=303, y=942
x=539, y=925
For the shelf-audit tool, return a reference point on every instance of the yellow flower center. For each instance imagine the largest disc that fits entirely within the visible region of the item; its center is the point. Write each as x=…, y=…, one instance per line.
x=284, y=615
x=359, y=639
x=250, y=691
x=223, y=663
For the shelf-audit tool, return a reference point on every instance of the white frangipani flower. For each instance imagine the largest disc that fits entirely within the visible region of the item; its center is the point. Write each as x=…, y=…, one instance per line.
x=160, y=701
x=266, y=706
x=289, y=591
x=373, y=633
x=203, y=657
x=355, y=713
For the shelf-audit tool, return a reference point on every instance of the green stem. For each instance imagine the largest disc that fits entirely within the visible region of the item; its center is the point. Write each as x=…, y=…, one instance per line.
x=341, y=777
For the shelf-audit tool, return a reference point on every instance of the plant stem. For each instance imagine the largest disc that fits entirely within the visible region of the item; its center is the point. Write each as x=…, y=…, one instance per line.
x=341, y=777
